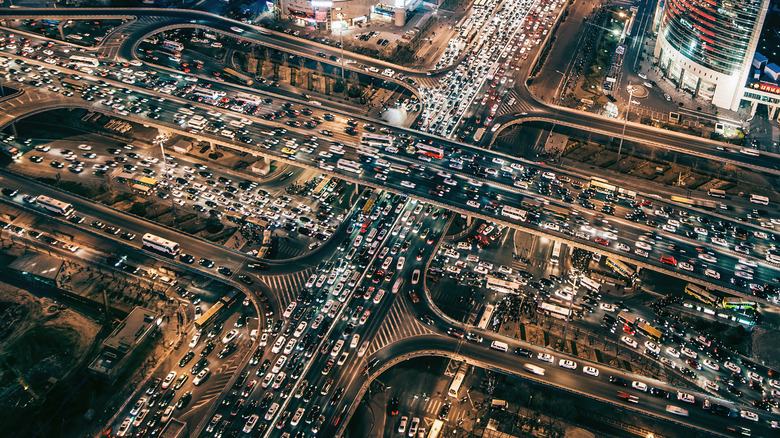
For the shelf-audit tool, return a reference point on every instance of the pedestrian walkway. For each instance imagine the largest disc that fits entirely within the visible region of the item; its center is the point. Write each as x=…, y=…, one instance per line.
x=287, y=286
x=397, y=325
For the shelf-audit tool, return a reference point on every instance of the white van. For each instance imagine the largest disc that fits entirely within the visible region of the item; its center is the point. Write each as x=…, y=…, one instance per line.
x=498, y=345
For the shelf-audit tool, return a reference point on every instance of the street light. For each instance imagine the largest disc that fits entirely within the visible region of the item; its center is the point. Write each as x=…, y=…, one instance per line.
x=341, y=43
x=161, y=139
x=575, y=288
x=625, y=122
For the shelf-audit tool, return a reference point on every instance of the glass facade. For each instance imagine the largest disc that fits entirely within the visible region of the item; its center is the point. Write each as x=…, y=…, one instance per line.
x=714, y=34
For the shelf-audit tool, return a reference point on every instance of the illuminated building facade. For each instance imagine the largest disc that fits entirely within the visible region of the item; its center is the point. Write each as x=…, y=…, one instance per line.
x=707, y=46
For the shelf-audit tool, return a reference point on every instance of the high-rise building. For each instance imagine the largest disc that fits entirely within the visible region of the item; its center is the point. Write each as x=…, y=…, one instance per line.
x=706, y=46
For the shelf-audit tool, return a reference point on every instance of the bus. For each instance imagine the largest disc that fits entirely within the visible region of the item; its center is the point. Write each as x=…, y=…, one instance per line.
x=435, y=429
x=458, y=380
x=73, y=84
x=250, y=99
x=237, y=77
x=702, y=295
x=557, y=216
x=715, y=193
x=621, y=268
x=173, y=45
x=197, y=122
x=173, y=55
x=209, y=315
x=773, y=256
x=590, y=284
x=650, y=332
x=478, y=134
x=84, y=61
x=487, y=313
x=369, y=139
x=601, y=185
x=756, y=199
x=367, y=151
x=513, y=213
x=368, y=206
x=502, y=286
x=735, y=303
x=55, y=206
x=555, y=311
x=349, y=166
x=207, y=93
x=500, y=346
x=159, y=244
x=430, y=151
x=556, y=252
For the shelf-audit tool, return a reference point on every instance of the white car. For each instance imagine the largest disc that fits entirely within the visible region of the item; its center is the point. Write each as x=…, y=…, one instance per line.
x=643, y=245
x=566, y=363
x=591, y=371
x=169, y=379
x=623, y=247
x=747, y=415
x=195, y=339
x=264, y=340
x=230, y=336
x=545, y=357
x=201, y=377
x=712, y=386
x=711, y=365
x=402, y=424
x=631, y=342
x=689, y=353
x=712, y=273
x=651, y=346
x=641, y=252
x=685, y=265
x=673, y=352
x=755, y=377
x=639, y=386
x=734, y=368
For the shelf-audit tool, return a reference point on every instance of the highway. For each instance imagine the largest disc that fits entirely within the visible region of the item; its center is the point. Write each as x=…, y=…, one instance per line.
x=472, y=181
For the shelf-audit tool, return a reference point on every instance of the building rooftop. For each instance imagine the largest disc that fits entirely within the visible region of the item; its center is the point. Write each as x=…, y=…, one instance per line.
x=40, y=265
x=132, y=330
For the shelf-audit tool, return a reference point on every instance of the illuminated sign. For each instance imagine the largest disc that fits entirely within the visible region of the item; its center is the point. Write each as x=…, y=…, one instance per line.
x=769, y=88
x=321, y=4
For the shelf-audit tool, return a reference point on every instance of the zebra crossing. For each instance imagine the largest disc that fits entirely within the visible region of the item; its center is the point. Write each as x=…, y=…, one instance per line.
x=286, y=286
x=397, y=325
x=217, y=385
x=286, y=251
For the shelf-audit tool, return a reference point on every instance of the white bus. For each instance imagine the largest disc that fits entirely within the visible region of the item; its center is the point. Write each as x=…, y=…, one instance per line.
x=376, y=140
x=367, y=151
x=715, y=193
x=513, y=213
x=207, y=93
x=174, y=45
x=55, y=206
x=349, y=166
x=84, y=61
x=750, y=151
x=487, y=314
x=556, y=253
x=590, y=283
x=159, y=244
x=500, y=346
x=534, y=369
x=458, y=380
x=248, y=98
x=763, y=200
x=197, y=122
x=555, y=311
x=435, y=429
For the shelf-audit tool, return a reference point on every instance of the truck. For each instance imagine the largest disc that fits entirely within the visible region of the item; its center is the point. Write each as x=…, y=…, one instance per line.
x=478, y=135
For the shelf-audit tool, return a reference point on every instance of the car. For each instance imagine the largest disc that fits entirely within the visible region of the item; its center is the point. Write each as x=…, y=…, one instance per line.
x=673, y=352
x=618, y=381
x=652, y=347
x=747, y=415
x=544, y=357
x=566, y=363
x=639, y=386
x=591, y=371
x=168, y=379
x=230, y=336
x=631, y=342
x=206, y=263
x=402, y=424
x=415, y=276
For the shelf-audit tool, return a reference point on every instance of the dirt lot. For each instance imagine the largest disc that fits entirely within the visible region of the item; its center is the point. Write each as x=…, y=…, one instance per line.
x=46, y=341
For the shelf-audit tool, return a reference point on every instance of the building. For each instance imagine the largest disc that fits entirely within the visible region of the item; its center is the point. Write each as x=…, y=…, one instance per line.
x=706, y=47
x=342, y=14
x=38, y=269
x=118, y=349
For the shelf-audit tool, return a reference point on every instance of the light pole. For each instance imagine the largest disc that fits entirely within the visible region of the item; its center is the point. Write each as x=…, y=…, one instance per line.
x=161, y=139
x=575, y=288
x=341, y=44
x=625, y=122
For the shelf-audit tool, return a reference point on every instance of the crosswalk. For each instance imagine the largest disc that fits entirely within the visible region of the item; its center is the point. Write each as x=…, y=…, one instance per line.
x=397, y=325
x=286, y=251
x=287, y=286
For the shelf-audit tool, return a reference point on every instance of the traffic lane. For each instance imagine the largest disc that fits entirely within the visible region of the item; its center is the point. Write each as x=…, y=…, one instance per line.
x=598, y=388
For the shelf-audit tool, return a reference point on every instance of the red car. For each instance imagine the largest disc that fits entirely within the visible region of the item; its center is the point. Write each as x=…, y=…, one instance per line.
x=669, y=260
x=602, y=241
